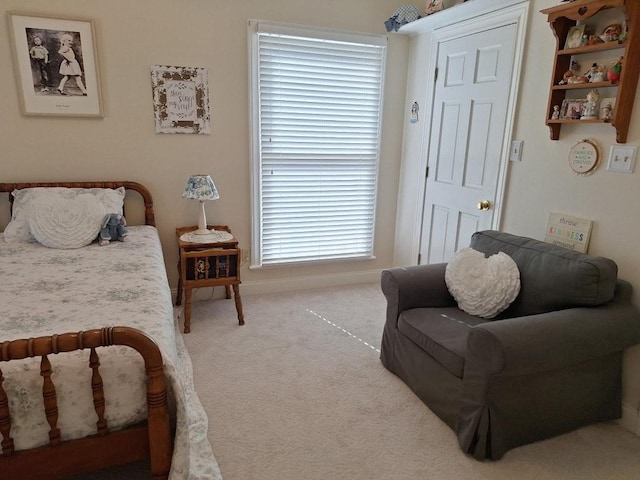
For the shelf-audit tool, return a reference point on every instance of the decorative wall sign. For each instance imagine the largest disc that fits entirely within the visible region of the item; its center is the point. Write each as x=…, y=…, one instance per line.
x=180, y=99
x=568, y=232
x=56, y=63
x=584, y=157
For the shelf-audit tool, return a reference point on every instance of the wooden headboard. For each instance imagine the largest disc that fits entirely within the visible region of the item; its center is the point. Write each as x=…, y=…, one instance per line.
x=149, y=216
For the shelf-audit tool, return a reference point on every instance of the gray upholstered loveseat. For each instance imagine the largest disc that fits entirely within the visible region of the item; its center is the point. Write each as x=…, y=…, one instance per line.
x=550, y=363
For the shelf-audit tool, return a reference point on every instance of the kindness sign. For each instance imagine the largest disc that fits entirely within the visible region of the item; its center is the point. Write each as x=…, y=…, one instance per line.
x=568, y=232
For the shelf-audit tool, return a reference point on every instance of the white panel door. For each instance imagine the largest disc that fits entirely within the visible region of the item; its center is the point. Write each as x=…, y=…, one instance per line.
x=465, y=148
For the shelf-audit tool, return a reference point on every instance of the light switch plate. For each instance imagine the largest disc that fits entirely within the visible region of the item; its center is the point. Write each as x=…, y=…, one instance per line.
x=516, y=151
x=622, y=158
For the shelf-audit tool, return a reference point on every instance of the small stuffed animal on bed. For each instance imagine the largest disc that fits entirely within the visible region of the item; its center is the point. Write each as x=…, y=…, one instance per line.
x=113, y=228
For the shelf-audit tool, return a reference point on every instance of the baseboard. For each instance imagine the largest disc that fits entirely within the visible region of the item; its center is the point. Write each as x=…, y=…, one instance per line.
x=308, y=282
x=311, y=281
x=630, y=419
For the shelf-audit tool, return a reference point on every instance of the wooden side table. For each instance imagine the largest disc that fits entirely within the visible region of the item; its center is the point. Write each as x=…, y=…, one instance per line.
x=208, y=262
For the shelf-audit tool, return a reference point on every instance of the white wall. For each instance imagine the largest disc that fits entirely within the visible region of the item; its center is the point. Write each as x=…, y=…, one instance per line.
x=131, y=36
x=543, y=182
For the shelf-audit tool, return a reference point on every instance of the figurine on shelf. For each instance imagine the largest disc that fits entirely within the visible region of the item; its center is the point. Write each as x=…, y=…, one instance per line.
x=593, y=40
x=615, y=71
x=592, y=71
x=596, y=74
x=570, y=77
x=607, y=112
x=556, y=112
x=591, y=106
x=624, y=34
x=611, y=33
x=578, y=79
x=566, y=78
x=574, y=66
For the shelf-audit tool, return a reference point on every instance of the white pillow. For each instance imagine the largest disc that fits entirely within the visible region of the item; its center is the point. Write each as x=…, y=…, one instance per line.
x=17, y=230
x=483, y=287
x=59, y=222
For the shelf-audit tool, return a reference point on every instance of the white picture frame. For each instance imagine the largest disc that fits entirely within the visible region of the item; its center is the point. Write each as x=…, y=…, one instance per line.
x=180, y=99
x=56, y=65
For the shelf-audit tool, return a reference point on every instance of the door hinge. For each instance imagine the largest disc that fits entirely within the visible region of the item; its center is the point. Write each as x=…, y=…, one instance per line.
x=435, y=75
x=419, y=259
x=427, y=173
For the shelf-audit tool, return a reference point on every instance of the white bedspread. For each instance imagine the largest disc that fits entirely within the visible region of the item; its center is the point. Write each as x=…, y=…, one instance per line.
x=45, y=291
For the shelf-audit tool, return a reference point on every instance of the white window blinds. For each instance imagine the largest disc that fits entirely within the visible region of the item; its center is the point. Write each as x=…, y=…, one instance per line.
x=316, y=149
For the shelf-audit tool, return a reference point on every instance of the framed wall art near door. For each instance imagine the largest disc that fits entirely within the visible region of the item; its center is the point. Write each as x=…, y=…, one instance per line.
x=56, y=65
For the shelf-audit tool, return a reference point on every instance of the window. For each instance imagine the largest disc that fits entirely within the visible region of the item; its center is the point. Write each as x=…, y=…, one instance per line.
x=316, y=99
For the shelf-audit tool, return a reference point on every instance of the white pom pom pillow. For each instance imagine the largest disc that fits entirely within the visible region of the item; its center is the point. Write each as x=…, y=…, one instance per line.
x=482, y=286
x=18, y=229
x=58, y=222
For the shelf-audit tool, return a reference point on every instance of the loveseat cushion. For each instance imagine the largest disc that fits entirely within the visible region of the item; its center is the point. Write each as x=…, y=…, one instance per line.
x=441, y=332
x=551, y=277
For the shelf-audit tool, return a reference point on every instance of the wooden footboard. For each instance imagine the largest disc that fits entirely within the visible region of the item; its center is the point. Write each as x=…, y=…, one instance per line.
x=61, y=458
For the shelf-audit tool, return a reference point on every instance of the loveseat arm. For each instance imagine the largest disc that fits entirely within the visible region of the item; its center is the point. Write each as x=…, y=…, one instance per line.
x=417, y=286
x=552, y=340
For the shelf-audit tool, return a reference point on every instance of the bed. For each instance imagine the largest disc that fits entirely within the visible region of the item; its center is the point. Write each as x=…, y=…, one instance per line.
x=93, y=369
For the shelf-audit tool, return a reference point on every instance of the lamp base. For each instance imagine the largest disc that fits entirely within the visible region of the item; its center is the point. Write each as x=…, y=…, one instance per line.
x=202, y=221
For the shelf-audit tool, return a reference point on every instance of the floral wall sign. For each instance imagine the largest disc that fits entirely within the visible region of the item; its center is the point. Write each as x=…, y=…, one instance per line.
x=180, y=99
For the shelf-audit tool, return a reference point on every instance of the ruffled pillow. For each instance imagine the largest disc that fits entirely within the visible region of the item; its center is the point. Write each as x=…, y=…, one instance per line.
x=482, y=286
x=66, y=222
x=18, y=230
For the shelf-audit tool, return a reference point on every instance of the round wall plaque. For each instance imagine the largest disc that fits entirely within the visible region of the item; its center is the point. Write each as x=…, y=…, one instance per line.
x=584, y=157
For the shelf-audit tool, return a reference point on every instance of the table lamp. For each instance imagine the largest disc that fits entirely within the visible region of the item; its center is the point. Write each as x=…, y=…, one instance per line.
x=201, y=188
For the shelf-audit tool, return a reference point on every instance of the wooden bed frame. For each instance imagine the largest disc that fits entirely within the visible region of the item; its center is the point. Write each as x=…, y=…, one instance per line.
x=149, y=217
x=61, y=459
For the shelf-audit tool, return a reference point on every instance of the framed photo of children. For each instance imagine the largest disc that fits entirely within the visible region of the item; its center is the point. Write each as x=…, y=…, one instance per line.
x=56, y=65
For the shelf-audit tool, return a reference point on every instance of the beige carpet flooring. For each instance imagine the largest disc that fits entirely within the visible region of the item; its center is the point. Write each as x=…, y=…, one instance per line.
x=299, y=393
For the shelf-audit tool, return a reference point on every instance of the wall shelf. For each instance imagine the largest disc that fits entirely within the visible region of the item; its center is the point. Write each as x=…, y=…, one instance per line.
x=567, y=15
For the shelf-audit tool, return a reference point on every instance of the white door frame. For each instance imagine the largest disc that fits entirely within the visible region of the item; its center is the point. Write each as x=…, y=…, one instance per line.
x=516, y=12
